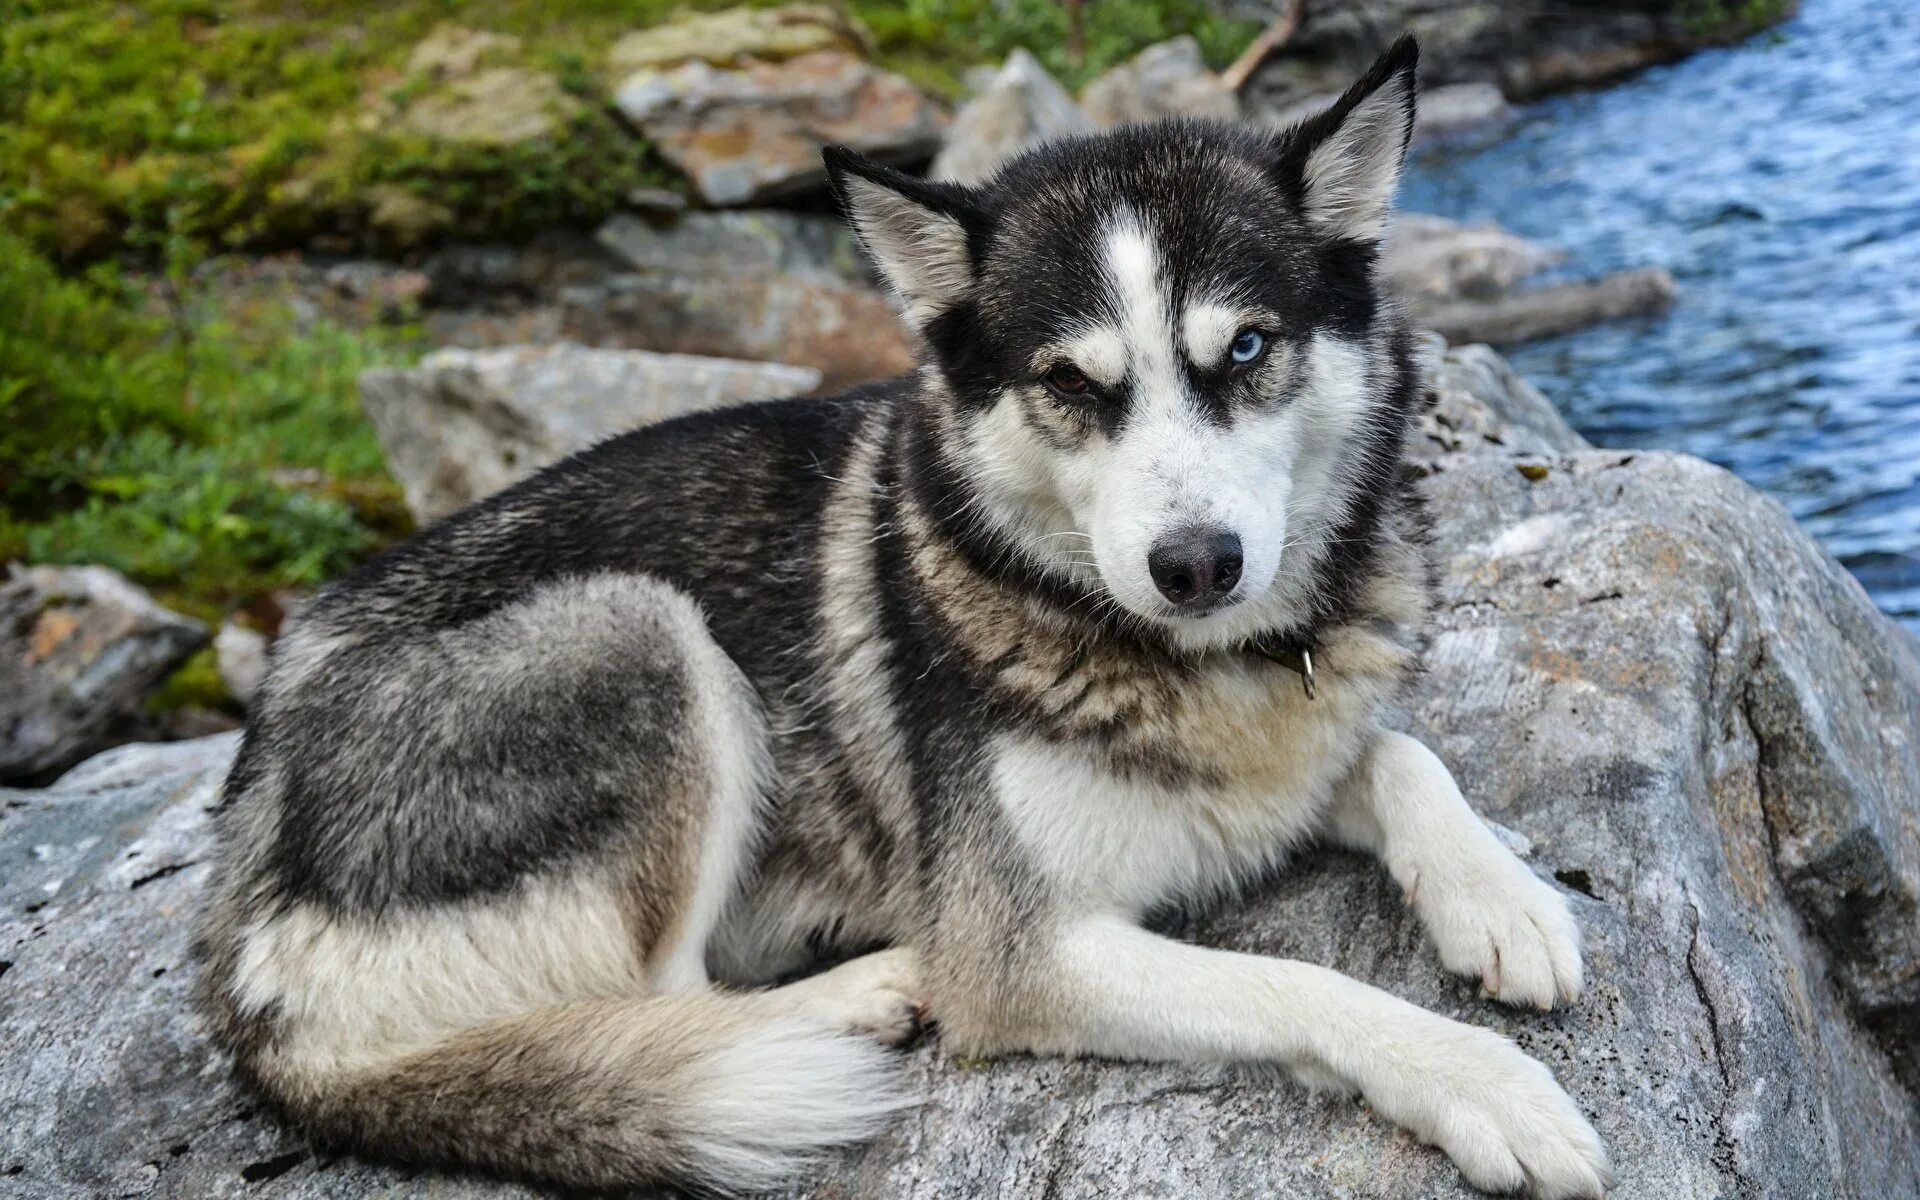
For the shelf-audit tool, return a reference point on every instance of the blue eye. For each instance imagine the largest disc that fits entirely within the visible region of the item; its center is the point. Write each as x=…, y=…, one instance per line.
x=1247, y=345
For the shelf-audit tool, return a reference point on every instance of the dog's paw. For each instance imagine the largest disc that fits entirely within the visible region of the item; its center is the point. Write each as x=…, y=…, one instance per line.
x=1494, y=920
x=876, y=994
x=1500, y=1117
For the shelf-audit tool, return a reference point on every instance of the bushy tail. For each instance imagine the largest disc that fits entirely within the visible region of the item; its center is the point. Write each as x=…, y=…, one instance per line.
x=704, y=1089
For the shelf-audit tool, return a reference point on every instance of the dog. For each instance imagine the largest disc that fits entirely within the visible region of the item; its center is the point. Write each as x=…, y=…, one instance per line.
x=542, y=817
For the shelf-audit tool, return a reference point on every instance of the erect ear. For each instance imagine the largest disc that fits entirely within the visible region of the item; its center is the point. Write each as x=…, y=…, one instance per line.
x=1343, y=165
x=915, y=230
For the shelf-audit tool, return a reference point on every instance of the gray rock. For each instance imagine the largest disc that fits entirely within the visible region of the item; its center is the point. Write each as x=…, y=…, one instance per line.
x=1465, y=282
x=750, y=242
x=655, y=201
x=1550, y=310
x=1023, y=107
x=1461, y=111
x=752, y=284
x=82, y=648
x=1165, y=80
x=242, y=654
x=1432, y=259
x=1641, y=667
x=735, y=35
x=757, y=284
x=495, y=107
x=755, y=132
x=1451, y=113
x=465, y=423
x=1525, y=47
x=1478, y=402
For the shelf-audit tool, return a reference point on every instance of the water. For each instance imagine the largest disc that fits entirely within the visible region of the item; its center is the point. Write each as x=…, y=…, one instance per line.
x=1779, y=181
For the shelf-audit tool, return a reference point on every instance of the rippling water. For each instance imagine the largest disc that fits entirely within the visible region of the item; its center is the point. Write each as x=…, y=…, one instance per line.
x=1780, y=182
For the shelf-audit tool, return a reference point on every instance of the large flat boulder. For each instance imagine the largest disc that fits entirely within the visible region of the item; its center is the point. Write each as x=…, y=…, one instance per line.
x=80, y=649
x=1692, y=718
x=466, y=423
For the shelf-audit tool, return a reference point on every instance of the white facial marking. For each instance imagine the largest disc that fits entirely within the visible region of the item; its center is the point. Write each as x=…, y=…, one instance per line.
x=1209, y=327
x=1100, y=353
x=1274, y=471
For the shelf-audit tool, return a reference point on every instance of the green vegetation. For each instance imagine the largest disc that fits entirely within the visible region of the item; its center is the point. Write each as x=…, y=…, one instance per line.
x=261, y=123
x=933, y=40
x=1728, y=20
x=213, y=450
x=212, y=447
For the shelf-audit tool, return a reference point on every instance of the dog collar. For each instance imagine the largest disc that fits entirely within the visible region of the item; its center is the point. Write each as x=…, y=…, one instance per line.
x=1295, y=656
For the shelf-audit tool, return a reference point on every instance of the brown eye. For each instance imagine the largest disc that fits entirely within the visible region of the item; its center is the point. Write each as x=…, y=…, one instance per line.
x=1067, y=380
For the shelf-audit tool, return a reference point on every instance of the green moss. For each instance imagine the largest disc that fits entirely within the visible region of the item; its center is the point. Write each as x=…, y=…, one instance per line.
x=237, y=122
x=259, y=122
x=195, y=684
x=934, y=40
x=1724, y=20
x=212, y=450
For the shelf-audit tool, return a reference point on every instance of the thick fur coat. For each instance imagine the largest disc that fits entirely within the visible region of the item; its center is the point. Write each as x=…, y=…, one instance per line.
x=959, y=676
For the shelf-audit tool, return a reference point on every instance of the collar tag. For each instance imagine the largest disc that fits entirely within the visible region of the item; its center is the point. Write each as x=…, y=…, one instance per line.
x=1293, y=657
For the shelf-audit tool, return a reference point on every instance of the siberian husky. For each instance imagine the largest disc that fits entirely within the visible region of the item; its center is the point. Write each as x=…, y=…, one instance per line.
x=541, y=815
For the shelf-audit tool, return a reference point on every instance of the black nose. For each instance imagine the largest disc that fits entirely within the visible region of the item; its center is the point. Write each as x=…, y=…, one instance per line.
x=1197, y=567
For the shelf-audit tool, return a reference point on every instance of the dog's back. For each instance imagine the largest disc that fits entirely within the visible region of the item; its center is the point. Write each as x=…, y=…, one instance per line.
x=495, y=793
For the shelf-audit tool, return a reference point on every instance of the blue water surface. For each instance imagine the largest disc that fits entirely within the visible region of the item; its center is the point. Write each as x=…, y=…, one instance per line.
x=1779, y=181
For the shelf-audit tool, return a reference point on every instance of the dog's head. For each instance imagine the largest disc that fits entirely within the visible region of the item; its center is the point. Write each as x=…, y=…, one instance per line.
x=1164, y=370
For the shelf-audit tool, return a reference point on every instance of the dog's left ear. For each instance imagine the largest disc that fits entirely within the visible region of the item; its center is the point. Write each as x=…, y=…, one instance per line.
x=916, y=230
x=1343, y=165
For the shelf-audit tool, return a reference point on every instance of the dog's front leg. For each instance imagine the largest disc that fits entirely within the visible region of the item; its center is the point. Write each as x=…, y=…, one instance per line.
x=1104, y=987
x=1489, y=915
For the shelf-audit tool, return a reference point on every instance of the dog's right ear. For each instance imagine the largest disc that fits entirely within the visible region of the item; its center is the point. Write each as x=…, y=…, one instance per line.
x=916, y=231
x=1342, y=166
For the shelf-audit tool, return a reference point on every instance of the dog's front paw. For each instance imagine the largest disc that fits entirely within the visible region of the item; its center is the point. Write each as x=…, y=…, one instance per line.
x=1499, y=1116
x=1494, y=920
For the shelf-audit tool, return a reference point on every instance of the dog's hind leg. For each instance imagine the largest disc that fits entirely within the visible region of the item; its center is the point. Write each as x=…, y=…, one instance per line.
x=1490, y=916
x=468, y=883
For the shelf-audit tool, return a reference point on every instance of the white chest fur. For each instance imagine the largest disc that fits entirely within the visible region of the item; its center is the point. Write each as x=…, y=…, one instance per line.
x=1126, y=842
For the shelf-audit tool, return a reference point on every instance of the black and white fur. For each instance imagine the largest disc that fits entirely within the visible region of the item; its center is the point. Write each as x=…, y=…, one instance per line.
x=533, y=809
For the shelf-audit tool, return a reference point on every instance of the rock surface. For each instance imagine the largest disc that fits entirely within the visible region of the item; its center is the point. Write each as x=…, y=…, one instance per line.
x=495, y=107
x=465, y=423
x=1550, y=310
x=755, y=132
x=1477, y=402
x=1021, y=107
x=1690, y=713
x=80, y=649
x=1167, y=80
x=1526, y=48
x=757, y=284
x=1465, y=283
x=731, y=36
x=242, y=657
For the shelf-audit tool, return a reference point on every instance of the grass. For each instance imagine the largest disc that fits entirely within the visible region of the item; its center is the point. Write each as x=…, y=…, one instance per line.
x=248, y=123
x=211, y=449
